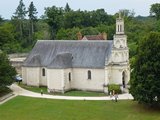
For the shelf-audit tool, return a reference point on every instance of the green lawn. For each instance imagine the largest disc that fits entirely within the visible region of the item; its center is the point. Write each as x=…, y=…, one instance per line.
x=34, y=89
x=69, y=93
x=26, y=108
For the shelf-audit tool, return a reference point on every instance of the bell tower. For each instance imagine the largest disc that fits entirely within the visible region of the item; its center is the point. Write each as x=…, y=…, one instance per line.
x=119, y=25
x=120, y=53
x=120, y=39
x=119, y=61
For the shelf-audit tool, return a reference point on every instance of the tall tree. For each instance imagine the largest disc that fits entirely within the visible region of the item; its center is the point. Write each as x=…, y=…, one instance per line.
x=54, y=19
x=1, y=20
x=145, y=85
x=20, y=16
x=32, y=12
x=67, y=8
x=7, y=72
x=155, y=10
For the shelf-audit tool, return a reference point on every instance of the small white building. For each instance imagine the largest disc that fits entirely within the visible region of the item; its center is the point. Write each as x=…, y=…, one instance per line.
x=62, y=65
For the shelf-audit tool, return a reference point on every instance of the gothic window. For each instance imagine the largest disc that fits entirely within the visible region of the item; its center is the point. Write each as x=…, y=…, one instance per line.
x=89, y=74
x=120, y=28
x=69, y=76
x=43, y=72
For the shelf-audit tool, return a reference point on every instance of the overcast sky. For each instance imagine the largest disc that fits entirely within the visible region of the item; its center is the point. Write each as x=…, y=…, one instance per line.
x=141, y=7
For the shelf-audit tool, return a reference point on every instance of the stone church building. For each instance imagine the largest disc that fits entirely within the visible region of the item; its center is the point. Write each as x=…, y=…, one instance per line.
x=90, y=65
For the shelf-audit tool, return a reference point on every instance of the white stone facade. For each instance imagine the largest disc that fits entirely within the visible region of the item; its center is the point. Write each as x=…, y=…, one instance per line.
x=115, y=71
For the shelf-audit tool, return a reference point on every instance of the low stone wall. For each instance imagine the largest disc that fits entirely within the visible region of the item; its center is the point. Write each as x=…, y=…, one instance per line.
x=6, y=97
x=17, y=55
x=17, y=61
x=17, y=64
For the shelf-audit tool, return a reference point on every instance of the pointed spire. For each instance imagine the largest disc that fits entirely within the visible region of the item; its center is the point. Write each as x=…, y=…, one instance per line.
x=120, y=24
x=120, y=14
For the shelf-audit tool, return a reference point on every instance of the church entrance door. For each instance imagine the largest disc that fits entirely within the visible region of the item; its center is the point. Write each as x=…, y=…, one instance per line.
x=123, y=79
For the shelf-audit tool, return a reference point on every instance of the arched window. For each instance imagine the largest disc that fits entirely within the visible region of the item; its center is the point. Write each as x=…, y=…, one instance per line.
x=89, y=74
x=43, y=72
x=69, y=76
x=118, y=28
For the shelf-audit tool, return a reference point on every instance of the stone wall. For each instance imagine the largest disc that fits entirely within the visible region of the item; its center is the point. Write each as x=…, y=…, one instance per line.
x=17, y=61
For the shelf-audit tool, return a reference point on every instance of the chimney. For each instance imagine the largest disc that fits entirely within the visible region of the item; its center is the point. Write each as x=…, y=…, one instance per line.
x=104, y=35
x=79, y=36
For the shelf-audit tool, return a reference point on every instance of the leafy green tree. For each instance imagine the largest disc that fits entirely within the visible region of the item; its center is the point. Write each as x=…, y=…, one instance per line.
x=7, y=72
x=109, y=30
x=89, y=31
x=67, y=34
x=32, y=11
x=54, y=19
x=7, y=38
x=42, y=32
x=145, y=85
x=155, y=10
x=73, y=19
x=99, y=17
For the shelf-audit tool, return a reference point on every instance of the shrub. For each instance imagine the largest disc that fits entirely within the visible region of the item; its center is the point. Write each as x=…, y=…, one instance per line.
x=114, y=87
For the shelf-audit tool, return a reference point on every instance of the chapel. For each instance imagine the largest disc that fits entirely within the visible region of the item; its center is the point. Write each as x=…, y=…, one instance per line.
x=89, y=65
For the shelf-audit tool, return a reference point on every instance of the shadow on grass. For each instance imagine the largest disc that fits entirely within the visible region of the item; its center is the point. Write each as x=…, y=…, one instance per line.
x=145, y=108
x=4, y=91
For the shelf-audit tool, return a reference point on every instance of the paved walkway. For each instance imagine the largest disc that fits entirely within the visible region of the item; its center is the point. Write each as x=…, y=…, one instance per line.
x=20, y=91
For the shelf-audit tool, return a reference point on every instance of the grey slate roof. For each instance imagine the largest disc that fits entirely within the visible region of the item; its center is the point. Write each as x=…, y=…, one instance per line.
x=69, y=54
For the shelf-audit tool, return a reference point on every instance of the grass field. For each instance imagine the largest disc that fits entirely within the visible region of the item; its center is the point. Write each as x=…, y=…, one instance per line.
x=70, y=93
x=25, y=108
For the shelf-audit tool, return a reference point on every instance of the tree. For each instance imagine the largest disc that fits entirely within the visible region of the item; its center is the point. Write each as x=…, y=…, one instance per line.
x=1, y=20
x=100, y=17
x=67, y=8
x=127, y=13
x=7, y=72
x=32, y=11
x=54, y=19
x=155, y=10
x=67, y=34
x=73, y=19
x=145, y=85
x=20, y=16
x=7, y=38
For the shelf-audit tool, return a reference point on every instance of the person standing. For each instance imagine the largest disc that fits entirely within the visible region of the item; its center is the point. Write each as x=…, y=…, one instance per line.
x=116, y=97
x=110, y=94
x=41, y=92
